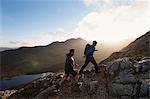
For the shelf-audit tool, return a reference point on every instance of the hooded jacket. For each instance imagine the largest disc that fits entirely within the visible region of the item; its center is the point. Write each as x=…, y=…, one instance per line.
x=69, y=63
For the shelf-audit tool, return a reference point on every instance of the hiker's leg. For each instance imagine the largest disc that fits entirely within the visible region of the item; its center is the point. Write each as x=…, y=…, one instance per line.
x=77, y=78
x=74, y=77
x=71, y=78
x=95, y=64
x=63, y=79
x=85, y=64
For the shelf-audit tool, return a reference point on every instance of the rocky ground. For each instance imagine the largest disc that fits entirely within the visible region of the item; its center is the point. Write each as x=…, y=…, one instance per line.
x=38, y=91
x=92, y=87
x=129, y=79
x=123, y=78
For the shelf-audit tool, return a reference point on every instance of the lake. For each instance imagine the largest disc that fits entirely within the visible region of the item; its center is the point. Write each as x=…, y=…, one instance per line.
x=19, y=80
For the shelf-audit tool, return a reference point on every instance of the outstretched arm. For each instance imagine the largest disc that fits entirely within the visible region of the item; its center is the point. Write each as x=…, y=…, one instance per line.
x=77, y=65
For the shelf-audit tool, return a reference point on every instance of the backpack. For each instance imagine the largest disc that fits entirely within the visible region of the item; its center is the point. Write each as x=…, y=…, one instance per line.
x=87, y=47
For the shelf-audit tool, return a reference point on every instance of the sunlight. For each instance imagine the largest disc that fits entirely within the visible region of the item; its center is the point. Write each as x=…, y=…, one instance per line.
x=111, y=38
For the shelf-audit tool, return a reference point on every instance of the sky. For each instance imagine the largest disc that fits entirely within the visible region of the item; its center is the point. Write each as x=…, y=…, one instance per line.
x=40, y=22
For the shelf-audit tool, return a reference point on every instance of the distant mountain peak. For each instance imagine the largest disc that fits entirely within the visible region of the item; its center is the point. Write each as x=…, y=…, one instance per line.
x=75, y=39
x=144, y=39
x=136, y=49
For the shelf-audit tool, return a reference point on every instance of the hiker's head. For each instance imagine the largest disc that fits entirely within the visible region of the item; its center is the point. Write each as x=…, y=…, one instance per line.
x=94, y=43
x=71, y=52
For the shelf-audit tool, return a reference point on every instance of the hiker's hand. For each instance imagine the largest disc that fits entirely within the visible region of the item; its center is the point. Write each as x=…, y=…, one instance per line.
x=77, y=65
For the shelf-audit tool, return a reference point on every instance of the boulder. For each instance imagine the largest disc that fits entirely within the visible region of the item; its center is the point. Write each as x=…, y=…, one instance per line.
x=143, y=66
x=125, y=77
x=93, y=85
x=119, y=65
x=138, y=89
x=46, y=93
x=145, y=90
x=119, y=90
x=125, y=82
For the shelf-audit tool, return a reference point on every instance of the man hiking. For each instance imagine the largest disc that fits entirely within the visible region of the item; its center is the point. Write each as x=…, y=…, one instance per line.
x=69, y=71
x=89, y=51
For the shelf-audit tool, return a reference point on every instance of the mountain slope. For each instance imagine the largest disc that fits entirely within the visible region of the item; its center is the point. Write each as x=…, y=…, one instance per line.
x=39, y=59
x=138, y=48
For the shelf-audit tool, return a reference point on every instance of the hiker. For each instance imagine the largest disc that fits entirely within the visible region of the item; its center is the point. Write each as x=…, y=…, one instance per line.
x=89, y=51
x=69, y=72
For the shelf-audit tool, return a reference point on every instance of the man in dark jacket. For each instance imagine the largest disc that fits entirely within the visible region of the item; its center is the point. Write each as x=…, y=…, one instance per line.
x=69, y=72
x=70, y=63
x=89, y=57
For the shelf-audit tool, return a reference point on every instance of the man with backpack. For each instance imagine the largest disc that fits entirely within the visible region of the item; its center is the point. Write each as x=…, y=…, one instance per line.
x=89, y=51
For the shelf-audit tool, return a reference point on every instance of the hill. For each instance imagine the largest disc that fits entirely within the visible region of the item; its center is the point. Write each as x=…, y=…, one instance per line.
x=121, y=78
x=137, y=49
x=27, y=60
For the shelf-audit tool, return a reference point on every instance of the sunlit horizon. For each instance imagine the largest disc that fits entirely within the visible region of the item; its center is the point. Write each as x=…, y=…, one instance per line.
x=102, y=43
x=39, y=23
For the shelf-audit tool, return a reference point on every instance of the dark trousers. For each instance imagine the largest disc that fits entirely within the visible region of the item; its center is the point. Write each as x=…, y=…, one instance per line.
x=87, y=61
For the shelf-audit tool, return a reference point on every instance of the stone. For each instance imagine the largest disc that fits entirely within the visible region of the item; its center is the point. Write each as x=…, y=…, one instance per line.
x=118, y=90
x=145, y=90
x=144, y=65
x=115, y=67
x=93, y=86
x=125, y=77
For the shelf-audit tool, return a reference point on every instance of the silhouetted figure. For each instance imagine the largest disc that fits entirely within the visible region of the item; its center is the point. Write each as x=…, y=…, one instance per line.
x=69, y=71
x=89, y=51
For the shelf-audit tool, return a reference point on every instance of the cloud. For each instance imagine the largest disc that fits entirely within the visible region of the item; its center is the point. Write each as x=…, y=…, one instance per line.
x=112, y=20
x=117, y=23
x=105, y=4
x=46, y=38
x=41, y=39
x=60, y=34
x=18, y=42
x=38, y=40
x=96, y=2
x=13, y=44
